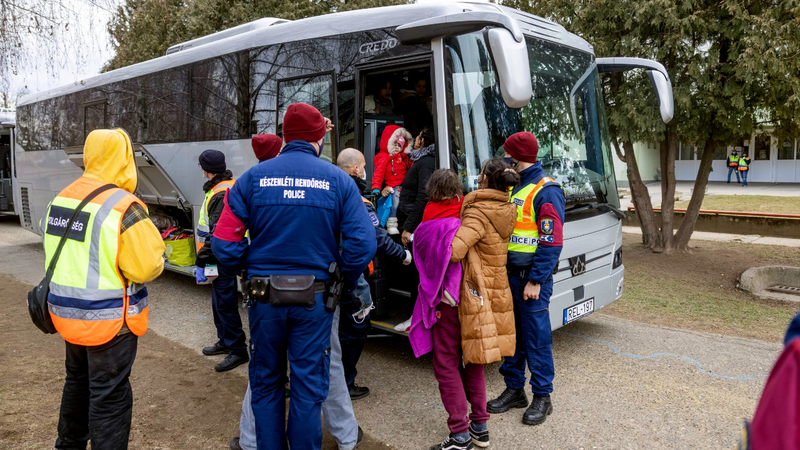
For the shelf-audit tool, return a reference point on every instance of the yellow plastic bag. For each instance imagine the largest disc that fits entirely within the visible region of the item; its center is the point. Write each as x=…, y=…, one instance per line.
x=181, y=252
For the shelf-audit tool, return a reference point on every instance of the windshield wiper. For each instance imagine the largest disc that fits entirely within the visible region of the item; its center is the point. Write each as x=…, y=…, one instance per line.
x=578, y=207
x=600, y=205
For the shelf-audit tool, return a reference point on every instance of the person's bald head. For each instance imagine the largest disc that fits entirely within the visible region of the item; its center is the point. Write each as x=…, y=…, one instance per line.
x=352, y=161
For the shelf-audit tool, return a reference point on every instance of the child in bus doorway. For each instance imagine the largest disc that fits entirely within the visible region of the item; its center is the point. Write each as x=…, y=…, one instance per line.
x=481, y=330
x=391, y=165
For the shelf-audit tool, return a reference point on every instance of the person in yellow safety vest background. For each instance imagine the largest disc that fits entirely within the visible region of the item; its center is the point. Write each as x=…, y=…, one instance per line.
x=744, y=167
x=97, y=299
x=231, y=339
x=533, y=252
x=733, y=165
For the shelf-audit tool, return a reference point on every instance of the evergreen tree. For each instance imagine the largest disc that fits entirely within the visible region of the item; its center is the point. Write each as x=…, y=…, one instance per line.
x=731, y=64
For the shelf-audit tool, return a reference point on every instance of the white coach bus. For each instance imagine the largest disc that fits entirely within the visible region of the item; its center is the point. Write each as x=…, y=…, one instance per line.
x=480, y=71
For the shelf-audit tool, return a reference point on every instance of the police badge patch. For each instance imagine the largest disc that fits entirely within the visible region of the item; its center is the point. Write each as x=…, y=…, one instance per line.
x=374, y=218
x=546, y=225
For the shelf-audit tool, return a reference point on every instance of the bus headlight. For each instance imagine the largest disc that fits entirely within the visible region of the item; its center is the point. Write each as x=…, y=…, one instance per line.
x=619, y=286
x=617, y=258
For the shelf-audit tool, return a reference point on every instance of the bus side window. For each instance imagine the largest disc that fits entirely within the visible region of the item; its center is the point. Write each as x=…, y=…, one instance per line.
x=315, y=90
x=94, y=117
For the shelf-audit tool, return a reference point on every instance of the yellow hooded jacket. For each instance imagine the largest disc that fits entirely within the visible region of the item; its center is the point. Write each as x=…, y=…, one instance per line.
x=108, y=157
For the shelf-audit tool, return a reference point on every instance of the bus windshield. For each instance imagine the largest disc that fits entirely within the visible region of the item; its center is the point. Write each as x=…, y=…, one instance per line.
x=565, y=114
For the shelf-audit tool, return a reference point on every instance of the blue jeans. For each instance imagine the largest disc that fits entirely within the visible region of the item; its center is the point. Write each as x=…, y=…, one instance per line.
x=395, y=201
x=337, y=410
x=305, y=337
x=744, y=177
x=733, y=169
x=534, y=339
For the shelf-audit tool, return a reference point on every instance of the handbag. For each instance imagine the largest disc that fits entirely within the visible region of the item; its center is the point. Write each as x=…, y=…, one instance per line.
x=37, y=297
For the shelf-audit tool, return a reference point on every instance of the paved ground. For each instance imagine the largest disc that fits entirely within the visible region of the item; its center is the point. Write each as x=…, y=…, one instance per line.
x=719, y=188
x=619, y=384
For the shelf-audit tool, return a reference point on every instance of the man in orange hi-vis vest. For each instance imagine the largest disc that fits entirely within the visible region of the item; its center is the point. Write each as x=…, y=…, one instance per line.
x=97, y=299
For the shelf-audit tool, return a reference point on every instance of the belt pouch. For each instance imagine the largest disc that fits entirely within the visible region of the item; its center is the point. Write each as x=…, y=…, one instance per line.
x=292, y=290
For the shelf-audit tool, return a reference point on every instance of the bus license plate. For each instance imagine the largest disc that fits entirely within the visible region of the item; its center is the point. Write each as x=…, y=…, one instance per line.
x=574, y=313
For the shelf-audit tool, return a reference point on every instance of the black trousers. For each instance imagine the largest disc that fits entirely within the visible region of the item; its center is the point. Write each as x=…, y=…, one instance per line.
x=225, y=306
x=352, y=336
x=97, y=402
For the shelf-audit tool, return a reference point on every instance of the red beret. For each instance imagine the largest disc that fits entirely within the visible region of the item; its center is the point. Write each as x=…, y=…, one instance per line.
x=303, y=122
x=523, y=146
x=266, y=146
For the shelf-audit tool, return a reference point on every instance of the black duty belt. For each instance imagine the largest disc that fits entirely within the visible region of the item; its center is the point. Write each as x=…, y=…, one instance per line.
x=287, y=290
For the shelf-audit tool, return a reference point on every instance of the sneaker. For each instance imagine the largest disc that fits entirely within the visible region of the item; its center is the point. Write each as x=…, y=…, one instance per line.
x=540, y=408
x=391, y=226
x=235, y=444
x=232, y=361
x=479, y=438
x=405, y=326
x=357, y=392
x=450, y=443
x=216, y=349
x=510, y=398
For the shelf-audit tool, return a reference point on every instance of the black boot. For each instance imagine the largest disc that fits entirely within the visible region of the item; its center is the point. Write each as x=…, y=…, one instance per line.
x=232, y=361
x=540, y=408
x=216, y=349
x=360, y=439
x=357, y=392
x=510, y=398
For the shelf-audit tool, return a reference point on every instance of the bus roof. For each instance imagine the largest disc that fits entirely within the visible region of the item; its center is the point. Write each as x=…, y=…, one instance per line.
x=315, y=27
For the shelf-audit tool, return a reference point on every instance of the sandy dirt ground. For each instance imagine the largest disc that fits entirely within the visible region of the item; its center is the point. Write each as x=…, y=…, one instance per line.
x=179, y=401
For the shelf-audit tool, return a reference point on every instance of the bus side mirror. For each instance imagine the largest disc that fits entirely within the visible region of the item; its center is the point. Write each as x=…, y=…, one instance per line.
x=663, y=90
x=513, y=69
x=659, y=79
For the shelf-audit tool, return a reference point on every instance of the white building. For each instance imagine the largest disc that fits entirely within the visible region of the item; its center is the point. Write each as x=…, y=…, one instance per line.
x=773, y=161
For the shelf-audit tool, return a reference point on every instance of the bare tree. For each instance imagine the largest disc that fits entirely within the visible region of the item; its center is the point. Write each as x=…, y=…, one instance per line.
x=9, y=97
x=43, y=35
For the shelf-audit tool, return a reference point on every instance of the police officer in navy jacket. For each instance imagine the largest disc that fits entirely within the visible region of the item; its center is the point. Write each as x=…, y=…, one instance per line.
x=296, y=209
x=533, y=252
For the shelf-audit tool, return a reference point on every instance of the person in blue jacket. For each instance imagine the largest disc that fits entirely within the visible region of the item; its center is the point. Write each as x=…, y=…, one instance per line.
x=533, y=252
x=296, y=209
x=354, y=324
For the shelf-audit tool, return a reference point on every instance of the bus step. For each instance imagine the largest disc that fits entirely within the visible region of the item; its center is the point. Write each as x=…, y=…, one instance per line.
x=400, y=292
x=189, y=270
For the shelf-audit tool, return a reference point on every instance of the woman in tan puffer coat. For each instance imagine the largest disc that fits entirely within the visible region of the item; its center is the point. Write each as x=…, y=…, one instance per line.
x=486, y=308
